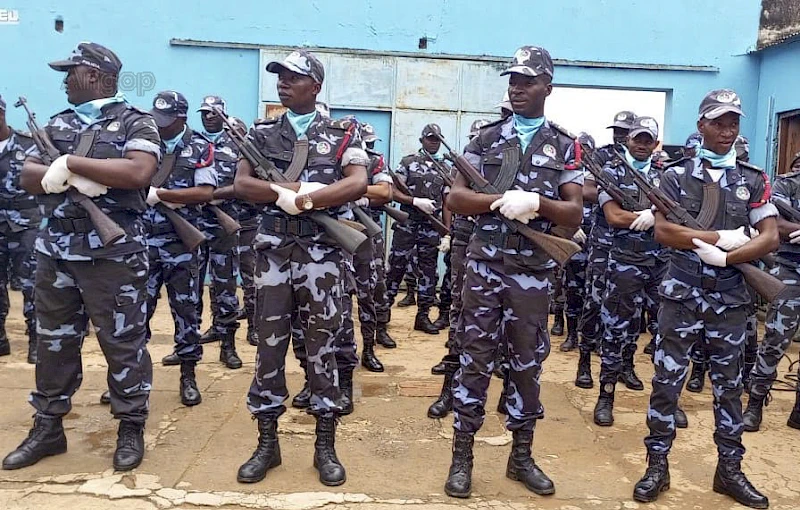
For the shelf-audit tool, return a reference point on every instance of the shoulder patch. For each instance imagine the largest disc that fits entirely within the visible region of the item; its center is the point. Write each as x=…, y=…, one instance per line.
x=749, y=165
x=562, y=130
x=343, y=124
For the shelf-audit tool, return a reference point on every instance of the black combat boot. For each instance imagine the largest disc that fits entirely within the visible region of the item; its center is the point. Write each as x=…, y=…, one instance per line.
x=303, y=399
x=227, y=352
x=794, y=418
x=459, y=479
x=409, y=300
x=681, y=420
x=558, y=323
x=584, y=377
x=331, y=471
x=33, y=342
x=499, y=369
x=171, y=360
x=105, y=398
x=729, y=480
x=444, y=404
x=650, y=348
x=655, y=479
x=46, y=438
x=522, y=468
x=423, y=323
x=443, y=320
x=697, y=379
x=211, y=335
x=130, y=446
x=628, y=375
x=604, y=409
x=266, y=456
x=346, y=391
x=747, y=371
x=190, y=395
x=5, y=347
x=252, y=336
x=752, y=416
x=368, y=358
x=439, y=368
x=571, y=343
x=501, y=401
x=382, y=337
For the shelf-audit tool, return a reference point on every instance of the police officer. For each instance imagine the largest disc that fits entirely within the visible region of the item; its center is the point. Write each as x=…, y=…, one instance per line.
x=590, y=325
x=783, y=316
x=299, y=269
x=417, y=235
x=508, y=279
x=220, y=251
x=704, y=298
x=19, y=224
x=110, y=151
x=190, y=183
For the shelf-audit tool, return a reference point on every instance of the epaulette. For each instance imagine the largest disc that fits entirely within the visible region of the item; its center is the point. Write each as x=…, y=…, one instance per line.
x=372, y=152
x=749, y=165
x=62, y=112
x=23, y=134
x=201, y=135
x=407, y=159
x=342, y=124
x=137, y=109
x=493, y=123
x=670, y=164
x=268, y=120
x=564, y=131
x=788, y=175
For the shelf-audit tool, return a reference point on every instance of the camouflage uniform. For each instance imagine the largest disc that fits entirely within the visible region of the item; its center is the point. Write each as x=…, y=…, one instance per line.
x=77, y=279
x=170, y=261
x=599, y=242
x=416, y=235
x=704, y=304
x=20, y=219
x=575, y=272
x=299, y=273
x=248, y=219
x=509, y=281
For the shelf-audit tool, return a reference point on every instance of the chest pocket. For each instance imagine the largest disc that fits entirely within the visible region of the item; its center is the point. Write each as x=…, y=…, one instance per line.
x=322, y=167
x=183, y=174
x=542, y=178
x=736, y=213
x=691, y=204
x=109, y=144
x=64, y=141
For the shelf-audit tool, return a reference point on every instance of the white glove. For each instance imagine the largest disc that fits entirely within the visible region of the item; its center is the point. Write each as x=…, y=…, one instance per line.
x=152, y=196
x=794, y=237
x=444, y=246
x=710, y=254
x=519, y=205
x=754, y=233
x=731, y=239
x=217, y=201
x=644, y=221
x=580, y=236
x=425, y=205
x=286, y=199
x=362, y=202
x=87, y=186
x=310, y=187
x=55, y=179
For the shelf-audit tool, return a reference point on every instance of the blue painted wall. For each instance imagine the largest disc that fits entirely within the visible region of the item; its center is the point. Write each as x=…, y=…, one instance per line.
x=634, y=31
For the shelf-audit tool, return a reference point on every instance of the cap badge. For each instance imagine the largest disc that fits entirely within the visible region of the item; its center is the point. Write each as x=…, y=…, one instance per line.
x=648, y=123
x=726, y=96
x=522, y=55
x=161, y=104
x=113, y=127
x=622, y=116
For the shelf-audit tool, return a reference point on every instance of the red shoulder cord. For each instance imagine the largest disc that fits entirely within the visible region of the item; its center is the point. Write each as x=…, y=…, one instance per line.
x=577, y=162
x=348, y=135
x=207, y=162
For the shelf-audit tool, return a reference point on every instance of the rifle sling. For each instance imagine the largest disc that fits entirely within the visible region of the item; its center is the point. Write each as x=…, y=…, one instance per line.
x=164, y=170
x=508, y=169
x=708, y=211
x=299, y=160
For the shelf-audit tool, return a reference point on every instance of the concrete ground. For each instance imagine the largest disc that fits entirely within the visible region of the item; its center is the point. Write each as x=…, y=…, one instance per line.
x=395, y=456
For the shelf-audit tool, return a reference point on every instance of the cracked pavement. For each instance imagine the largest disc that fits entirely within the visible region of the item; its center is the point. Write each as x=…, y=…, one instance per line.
x=394, y=455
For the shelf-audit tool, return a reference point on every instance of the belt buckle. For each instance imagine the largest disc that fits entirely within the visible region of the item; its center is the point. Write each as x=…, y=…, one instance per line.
x=514, y=242
x=293, y=226
x=277, y=225
x=708, y=282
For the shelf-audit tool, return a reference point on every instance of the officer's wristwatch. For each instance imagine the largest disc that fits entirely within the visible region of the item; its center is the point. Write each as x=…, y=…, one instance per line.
x=306, y=203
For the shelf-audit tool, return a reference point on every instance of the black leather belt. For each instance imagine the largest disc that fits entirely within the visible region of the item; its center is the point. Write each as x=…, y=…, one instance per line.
x=505, y=240
x=295, y=226
x=78, y=225
x=161, y=228
x=708, y=283
x=22, y=203
x=635, y=245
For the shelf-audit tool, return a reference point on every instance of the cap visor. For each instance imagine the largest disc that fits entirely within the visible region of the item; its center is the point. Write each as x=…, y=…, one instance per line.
x=719, y=111
x=162, y=119
x=527, y=71
x=275, y=67
x=62, y=65
x=634, y=132
x=372, y=138
x=620, y=125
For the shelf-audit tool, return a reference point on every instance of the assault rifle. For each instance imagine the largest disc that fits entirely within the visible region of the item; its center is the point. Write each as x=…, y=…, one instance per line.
x=443, y=173
x=228, y=224
x=763, y=283
x=603, y=181
x=107, y=229
x=437, y=224
x=558, y=248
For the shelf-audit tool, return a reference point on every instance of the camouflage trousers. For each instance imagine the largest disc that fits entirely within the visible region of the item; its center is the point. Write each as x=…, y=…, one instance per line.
x=751, y=348
x=219, y=258
x=458, y=260
x=590, y=325
x=380, y=296
x=112, y=294
x=629, y=289
x=682, y=325
x=296, y=278
x=559, y=297
x=18, y=267
x=783, y=319
x=414, y=238
x=574, y=285
x=176, y=268
x=503, y=301
x=446, y=291
x=247, y=267
x=366, y=281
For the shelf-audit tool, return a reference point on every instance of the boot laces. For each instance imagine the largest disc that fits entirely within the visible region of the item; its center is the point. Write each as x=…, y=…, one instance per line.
x=128, y=434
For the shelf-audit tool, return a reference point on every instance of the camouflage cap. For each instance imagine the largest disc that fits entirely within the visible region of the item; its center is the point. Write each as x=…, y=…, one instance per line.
x=168, y=106
x=476, y=126
x=431, y=130
x=622, y=120
x=505, y=104
x=530, y=61
x=368, y=133
x=586, y=139
x=795, y=159
x=90, y=54
x=323, y=109
x=2, y=104
x=301, y=62
x=742, y=146
x=644, y=125
x=209, y=102
x=719, y=102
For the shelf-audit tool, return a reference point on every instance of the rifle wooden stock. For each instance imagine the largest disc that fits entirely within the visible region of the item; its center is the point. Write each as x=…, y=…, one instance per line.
x=398, y=215
x=371, y=228
x=786, y=210
x=763, y=283
x=558, y=248
x=189, y=235
x=436, y=223
x=228, y=224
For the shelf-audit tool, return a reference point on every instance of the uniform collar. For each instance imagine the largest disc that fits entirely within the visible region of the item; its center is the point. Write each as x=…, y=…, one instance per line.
x=730, y=177
x=287, y=131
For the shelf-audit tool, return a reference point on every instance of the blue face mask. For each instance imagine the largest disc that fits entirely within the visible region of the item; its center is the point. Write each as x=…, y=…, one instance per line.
x=526, y=129
x=214, y=137
x=173, y=142
x=90, y=111
x=635, y=163
x=718, y=160
x=300, y=123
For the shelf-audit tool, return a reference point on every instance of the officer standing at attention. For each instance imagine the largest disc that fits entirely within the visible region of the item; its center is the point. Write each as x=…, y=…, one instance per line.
x=190, y=183
x=220, y=251
x=19, y=225
x=417, y=235
x=299, y=268
x=110, y=151
x=703, y=298
x=508, y=279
